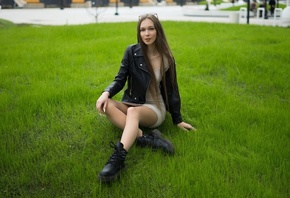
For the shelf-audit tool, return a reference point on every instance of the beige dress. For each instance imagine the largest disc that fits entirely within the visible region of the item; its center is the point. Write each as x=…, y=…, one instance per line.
x=151, y=103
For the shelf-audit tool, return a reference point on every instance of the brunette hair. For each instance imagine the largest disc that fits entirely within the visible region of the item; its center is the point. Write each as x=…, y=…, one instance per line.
x=163, y=48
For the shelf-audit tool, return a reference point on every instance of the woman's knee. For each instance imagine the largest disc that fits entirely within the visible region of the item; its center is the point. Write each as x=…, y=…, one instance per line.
x=111, y=107
x=110, y=103
x=132, y=111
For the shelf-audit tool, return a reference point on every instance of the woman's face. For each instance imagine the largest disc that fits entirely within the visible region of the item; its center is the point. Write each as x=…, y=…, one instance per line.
x=148, y=32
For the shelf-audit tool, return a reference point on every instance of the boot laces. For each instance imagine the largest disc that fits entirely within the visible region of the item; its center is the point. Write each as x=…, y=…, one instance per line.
x=116, y=155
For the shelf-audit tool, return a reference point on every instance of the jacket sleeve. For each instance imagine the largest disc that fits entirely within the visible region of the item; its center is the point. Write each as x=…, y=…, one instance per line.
x=174, y=102
x=121, y=78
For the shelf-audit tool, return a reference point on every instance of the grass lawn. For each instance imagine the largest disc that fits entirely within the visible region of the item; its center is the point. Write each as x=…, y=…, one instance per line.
x=234, y=84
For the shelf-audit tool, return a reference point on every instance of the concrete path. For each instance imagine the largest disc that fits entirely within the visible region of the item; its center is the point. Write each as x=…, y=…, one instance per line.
x=73, y=16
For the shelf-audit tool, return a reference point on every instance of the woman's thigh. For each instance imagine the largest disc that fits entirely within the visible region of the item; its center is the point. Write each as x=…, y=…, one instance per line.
x=119, y=105
x=147, y=117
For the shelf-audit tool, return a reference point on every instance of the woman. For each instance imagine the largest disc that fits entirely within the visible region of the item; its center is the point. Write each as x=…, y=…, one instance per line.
x=149, y=70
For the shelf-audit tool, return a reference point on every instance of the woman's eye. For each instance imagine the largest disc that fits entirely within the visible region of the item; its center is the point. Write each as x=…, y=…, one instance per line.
x=149, y=29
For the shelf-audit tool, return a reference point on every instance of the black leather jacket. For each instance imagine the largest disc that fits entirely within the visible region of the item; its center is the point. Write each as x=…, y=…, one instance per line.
x=134, y=70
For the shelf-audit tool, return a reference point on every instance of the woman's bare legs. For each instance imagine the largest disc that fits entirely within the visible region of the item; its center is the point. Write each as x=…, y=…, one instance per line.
x=116, y=112
x=129, y=119
x=136, y=115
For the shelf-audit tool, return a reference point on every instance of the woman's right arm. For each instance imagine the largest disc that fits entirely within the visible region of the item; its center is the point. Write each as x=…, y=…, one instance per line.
x=117, y=85
x=121, y=78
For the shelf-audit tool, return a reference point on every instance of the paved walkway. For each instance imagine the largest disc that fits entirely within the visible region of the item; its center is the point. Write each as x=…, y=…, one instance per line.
x=73, y=16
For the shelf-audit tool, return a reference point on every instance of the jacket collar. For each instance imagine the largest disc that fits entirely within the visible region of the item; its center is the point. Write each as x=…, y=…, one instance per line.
x=138, y=51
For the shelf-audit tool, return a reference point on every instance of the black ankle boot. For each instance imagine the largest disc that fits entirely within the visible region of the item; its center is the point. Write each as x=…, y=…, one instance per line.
x=115, y=164
x=156, y=141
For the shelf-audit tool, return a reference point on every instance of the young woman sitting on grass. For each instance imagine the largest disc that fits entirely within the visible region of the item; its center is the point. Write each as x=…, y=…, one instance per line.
x=148, y=67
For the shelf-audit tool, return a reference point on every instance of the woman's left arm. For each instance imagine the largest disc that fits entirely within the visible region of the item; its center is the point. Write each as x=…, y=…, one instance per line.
x=176, y=104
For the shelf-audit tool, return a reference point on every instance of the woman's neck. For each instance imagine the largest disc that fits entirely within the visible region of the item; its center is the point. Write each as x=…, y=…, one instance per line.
x=152, y=51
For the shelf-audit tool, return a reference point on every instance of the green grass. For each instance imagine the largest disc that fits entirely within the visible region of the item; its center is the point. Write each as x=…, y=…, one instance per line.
x=234, y=84
x=214, y=2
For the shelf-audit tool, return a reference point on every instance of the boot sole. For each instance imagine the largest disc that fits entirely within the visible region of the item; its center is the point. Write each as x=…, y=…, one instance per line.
x=108, y=179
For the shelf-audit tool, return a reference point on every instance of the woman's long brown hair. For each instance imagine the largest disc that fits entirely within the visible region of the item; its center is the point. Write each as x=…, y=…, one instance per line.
x=164, y=49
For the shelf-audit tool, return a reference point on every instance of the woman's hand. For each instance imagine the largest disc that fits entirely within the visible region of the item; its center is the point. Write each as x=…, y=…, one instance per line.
x=101, y=103
x=185, y=126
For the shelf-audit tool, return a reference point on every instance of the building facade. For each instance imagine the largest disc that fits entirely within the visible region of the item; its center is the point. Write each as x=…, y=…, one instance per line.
x=80, y=3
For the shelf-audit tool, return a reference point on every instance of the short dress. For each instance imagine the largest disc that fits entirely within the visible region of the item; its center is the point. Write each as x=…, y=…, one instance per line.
x=151, y=103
